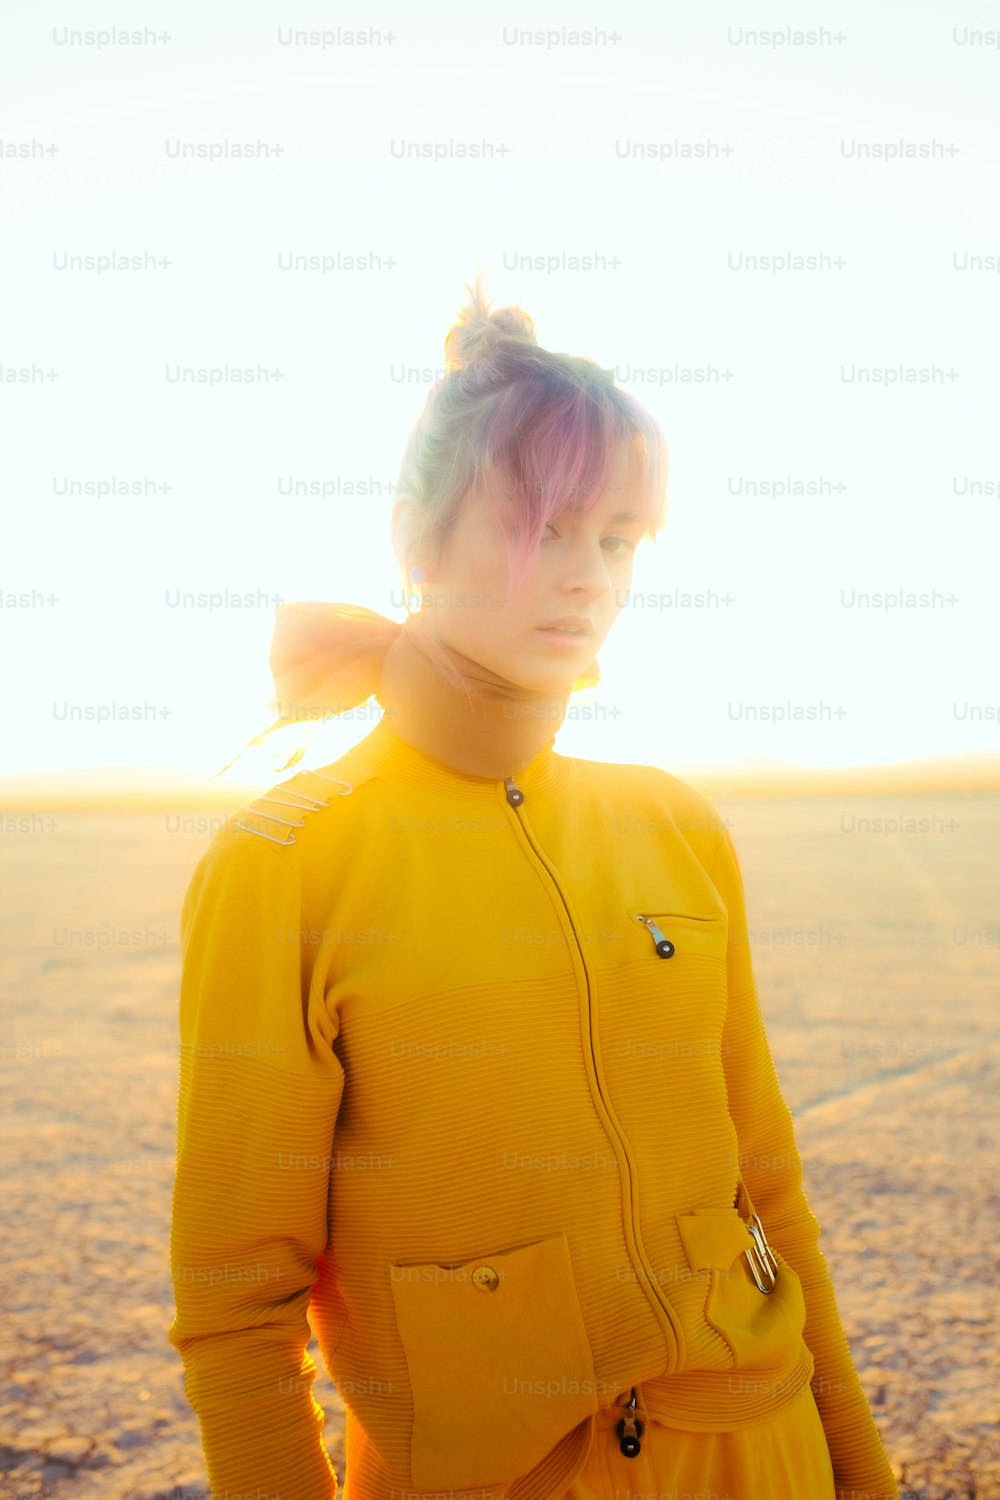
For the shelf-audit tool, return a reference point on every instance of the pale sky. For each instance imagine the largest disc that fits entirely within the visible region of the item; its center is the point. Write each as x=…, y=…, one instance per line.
x=908, y=473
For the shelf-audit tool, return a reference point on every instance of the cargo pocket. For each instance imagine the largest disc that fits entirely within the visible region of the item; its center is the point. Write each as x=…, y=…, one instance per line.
x=499, y=1362
x=763, y=1330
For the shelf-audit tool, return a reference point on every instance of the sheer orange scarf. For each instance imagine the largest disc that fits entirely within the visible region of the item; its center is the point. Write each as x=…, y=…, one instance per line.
x=328, y=658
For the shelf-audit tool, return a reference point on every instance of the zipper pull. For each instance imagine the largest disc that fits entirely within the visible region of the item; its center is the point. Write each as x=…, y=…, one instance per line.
x=514, y=794
x=664, y=946
x=630, y=1428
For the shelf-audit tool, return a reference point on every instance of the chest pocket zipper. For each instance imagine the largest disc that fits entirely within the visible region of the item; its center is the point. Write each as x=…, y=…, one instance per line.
x=664, y=946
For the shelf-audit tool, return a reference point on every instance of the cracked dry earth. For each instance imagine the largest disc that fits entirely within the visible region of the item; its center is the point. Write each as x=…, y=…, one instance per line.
x=876, y=962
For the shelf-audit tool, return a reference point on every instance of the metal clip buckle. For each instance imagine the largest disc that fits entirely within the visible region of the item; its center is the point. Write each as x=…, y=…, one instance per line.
x=335, y=779
x=761, y=1258
x=304, y=804
x=291, y=839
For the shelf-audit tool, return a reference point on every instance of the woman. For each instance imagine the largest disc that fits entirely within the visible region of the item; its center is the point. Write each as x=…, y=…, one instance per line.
x=473, y=1066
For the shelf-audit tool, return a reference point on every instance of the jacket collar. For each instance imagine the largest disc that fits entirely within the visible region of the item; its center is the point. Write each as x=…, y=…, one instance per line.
x=385, y=753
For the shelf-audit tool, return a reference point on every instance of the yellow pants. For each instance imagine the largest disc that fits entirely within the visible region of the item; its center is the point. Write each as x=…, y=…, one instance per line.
x=781, y=1457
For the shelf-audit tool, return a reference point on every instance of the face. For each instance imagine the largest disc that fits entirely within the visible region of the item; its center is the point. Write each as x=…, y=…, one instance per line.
x=582, y=566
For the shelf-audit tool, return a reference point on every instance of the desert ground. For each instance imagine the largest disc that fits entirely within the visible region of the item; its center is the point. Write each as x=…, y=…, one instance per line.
x=876, y=960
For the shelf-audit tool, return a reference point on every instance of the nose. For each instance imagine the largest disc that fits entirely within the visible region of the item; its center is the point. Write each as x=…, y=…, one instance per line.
x=587, y=568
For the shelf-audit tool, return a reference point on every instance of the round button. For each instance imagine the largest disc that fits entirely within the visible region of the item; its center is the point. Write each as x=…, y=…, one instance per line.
x=485, y=1278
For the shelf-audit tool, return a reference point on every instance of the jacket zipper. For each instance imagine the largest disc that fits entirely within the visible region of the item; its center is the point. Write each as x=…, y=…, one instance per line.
x=515, y=797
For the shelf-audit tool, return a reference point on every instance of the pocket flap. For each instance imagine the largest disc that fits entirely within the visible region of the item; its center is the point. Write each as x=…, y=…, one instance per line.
x=713, y=1237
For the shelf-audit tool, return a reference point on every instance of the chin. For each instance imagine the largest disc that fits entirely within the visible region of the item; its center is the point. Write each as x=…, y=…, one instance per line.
x=545, y=682
x=535, y=675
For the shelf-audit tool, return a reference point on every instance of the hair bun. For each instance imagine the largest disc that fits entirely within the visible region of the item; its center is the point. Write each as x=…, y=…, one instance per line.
x=478, y=331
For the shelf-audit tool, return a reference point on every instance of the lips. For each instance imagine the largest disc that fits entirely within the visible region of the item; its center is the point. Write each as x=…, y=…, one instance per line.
x=571, y=625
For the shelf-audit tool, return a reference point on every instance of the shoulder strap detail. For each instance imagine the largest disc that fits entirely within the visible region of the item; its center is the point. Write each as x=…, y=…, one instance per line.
x=302, y=804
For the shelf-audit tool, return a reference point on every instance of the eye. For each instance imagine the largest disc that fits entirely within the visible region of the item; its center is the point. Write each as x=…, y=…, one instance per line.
x=629, y=545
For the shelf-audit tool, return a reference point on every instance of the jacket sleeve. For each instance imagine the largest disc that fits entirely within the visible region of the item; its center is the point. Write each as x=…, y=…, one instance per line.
x=772, y=1170
x=259, y=1092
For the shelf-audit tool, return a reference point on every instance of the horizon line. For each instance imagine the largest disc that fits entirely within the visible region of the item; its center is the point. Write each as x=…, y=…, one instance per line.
x=154, y=787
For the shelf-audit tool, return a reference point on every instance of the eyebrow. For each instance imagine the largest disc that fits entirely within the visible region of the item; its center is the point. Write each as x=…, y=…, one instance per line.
x=622, y=515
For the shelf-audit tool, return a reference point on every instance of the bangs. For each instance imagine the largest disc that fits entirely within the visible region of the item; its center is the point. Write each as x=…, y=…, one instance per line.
x=546, y=448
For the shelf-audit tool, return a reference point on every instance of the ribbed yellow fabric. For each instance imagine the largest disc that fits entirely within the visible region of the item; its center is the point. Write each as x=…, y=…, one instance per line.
x=440, y=1091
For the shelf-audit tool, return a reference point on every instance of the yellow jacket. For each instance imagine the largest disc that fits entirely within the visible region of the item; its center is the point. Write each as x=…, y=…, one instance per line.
x=474, y=1071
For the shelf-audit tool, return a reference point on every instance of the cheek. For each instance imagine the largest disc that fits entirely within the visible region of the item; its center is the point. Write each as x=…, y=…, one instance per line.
x=486, y=573
x=481, y=575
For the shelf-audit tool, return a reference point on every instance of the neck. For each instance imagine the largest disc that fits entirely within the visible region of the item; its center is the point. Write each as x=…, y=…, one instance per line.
x=486, y=726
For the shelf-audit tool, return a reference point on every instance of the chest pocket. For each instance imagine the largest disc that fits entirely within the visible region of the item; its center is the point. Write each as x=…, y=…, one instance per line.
x=499, y=1362
x=674, y=987
x=672, y=933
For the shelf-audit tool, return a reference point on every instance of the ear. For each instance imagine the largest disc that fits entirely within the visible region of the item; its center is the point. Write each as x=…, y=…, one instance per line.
x=411, y=552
